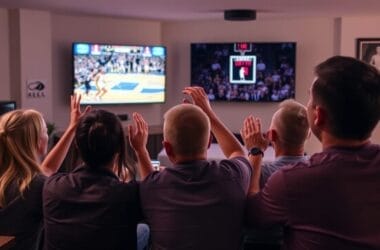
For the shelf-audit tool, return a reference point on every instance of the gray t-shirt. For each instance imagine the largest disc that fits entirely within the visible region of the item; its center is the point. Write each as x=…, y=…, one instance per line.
x=267, y=169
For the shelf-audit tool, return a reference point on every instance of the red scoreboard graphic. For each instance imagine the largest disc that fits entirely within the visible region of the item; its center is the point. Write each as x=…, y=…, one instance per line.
x=243, y=67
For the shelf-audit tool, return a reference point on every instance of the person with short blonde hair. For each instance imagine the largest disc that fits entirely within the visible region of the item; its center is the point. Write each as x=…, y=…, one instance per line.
x=287, y=134
x=290, y=125
x=195, y=122
x=195, y=203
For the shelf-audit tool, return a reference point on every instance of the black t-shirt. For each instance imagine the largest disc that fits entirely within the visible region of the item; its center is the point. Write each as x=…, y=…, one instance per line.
x=90, y=209
x=22, y=216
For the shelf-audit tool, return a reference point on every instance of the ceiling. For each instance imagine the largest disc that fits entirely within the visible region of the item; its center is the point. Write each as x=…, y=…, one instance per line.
x=166, y=10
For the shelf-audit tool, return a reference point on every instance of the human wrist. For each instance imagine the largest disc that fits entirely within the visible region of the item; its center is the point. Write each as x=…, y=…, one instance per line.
x=256, y=151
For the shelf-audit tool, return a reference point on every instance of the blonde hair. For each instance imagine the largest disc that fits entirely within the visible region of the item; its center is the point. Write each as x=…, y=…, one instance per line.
x=187, y=128
x=291, y=123
x=20, y=131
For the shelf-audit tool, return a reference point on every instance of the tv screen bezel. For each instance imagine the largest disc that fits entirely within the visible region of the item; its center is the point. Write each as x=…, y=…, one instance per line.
x=118, y=44
x=2, y=103
x=251, y=42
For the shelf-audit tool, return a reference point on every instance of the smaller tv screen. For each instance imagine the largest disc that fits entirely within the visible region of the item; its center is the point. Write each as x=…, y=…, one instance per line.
x=119, y=74
x=244, y=71
x=6, y=106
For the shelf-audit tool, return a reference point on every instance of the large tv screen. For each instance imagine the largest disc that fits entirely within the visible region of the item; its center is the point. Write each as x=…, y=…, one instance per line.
x=119, y=74
x=245, y=71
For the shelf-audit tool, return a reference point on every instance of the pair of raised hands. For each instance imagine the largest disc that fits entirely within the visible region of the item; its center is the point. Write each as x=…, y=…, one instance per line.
x=138, y=131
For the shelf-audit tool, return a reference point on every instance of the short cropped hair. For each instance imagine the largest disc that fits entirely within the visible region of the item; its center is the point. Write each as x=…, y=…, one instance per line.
x=290, y=121
x=349, y=91
x=187, y=128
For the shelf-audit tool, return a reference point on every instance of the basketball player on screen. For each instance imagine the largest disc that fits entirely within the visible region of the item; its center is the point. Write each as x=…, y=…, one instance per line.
x=100, y=84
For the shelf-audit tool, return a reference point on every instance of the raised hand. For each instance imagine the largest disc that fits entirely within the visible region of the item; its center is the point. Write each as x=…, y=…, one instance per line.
x=252, y=135
x=199, y=98
x=138, y=132
x=138, y=138
x=75, y=111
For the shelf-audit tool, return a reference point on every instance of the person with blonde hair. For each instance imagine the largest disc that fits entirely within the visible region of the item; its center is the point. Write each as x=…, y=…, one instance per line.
x=196, y=203
x=23, y=145
x=287, y=134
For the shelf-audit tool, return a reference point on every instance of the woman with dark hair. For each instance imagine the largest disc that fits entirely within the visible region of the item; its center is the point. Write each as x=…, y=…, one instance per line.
x=90, y=208
x=23, y=145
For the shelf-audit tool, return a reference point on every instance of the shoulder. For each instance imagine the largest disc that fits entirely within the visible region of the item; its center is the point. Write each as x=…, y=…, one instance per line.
x=236, y=164
x=39, y=179
x=156, y=176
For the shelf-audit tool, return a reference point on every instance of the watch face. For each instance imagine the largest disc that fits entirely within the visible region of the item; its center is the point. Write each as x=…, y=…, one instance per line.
x=256, y=151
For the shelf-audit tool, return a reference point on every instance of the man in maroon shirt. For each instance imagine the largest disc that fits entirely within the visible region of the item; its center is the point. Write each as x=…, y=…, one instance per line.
x=331, y=201
x=196, y=203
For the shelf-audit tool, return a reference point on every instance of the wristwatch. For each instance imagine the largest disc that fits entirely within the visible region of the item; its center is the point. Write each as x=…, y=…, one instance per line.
x=256, y=151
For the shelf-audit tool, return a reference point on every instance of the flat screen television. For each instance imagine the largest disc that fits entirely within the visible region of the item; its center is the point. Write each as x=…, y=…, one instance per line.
x=6, y=106
x=245, y=71
x=119, y=74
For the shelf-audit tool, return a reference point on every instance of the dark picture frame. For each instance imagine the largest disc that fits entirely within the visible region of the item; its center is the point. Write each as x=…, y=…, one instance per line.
x=368, y=50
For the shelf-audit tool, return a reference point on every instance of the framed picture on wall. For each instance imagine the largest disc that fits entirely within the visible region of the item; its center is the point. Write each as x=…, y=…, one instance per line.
x=368, y=50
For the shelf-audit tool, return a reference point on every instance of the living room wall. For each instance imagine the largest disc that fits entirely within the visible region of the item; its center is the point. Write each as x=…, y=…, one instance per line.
x=317, y=39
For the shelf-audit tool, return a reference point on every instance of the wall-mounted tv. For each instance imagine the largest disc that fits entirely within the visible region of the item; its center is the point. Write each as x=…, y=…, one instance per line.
x=119, y=74
x=6, y=106
x=245, y=71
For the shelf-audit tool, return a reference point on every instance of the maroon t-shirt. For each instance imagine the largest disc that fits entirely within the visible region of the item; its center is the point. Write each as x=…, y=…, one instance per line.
x=330, y=202
x=90, y=209
x=197, y=205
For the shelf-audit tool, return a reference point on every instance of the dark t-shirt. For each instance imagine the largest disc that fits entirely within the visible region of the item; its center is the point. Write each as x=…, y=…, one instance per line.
x=331, y=201
x=198, y=205
x=22, y=217
x=90, y=209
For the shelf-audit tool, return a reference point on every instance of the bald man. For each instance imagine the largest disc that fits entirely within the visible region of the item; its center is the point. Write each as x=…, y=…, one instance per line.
x=287, y=133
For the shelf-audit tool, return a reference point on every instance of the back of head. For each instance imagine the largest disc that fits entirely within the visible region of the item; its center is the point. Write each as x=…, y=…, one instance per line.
x=291, y=124
x=100, y=138
x=187, y=128
x=20, y=133
x=349, y=91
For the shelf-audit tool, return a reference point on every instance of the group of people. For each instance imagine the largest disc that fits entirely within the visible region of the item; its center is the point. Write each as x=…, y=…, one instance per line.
x=328, y=200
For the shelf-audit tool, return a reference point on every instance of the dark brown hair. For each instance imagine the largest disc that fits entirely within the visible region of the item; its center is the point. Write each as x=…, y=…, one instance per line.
x=349, y=91
x=99, y=138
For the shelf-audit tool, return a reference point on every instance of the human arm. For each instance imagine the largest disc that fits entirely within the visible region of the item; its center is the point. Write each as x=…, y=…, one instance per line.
x=253, y=138
x=228, y=143
x=57, y=154
x=270, y=205
x=138, y=138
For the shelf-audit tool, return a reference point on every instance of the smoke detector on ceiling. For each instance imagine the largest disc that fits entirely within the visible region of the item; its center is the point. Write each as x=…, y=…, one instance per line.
x=240, y=15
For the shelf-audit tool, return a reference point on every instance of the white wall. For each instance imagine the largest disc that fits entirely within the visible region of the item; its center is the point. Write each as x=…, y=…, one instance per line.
x=317, y=39
x=67, y=29
x=35, y=60
x=315, y=42
x=359, y=27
